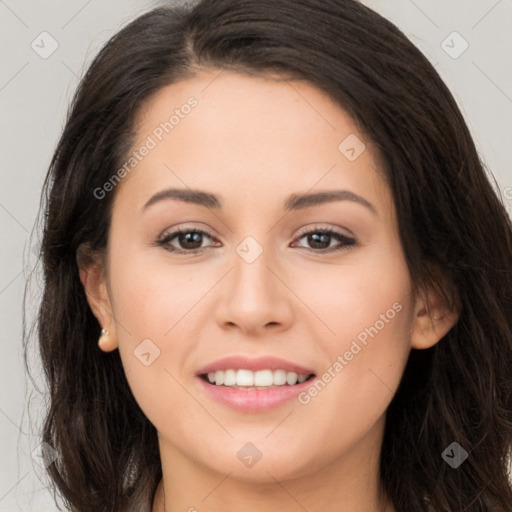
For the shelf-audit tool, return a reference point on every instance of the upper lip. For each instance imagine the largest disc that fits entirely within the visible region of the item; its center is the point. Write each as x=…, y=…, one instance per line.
x=254, y=364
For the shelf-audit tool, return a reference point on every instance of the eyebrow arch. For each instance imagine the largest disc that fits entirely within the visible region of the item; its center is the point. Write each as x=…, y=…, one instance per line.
x=300, y=201
x=187, y=196
x=293, y=202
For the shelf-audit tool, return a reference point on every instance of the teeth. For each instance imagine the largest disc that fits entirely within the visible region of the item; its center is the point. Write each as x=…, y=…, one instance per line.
x=243, y=378
x=219, y=377
x=229, y=378
x=279, y=377
x=291, y=378
x=260, y=378
x=263, y=378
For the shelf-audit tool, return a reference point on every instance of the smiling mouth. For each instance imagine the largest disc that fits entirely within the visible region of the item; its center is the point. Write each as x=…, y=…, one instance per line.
x=262, y=379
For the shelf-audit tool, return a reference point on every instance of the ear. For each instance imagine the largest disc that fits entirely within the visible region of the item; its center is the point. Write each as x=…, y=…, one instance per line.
x=435, y=314
x=93, y=277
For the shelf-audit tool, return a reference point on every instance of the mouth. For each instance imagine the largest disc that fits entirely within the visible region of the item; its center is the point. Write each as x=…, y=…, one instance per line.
x=254, y=385
x=245, y=379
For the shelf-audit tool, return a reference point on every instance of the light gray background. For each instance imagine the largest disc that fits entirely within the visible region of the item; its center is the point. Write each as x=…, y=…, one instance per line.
x=35, y=92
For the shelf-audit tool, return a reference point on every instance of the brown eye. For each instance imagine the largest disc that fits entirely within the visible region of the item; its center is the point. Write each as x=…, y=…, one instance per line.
x=320, y=240
x=191, y=240
x=184, y=240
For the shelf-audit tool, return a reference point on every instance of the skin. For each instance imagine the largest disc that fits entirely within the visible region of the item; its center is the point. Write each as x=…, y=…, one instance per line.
x=252, y=141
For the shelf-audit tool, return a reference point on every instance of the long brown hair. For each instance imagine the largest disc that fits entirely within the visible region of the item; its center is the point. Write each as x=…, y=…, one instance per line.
x=451, y=221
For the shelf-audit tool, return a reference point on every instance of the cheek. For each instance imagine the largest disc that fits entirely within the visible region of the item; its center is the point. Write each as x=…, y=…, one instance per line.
x=152, y=317
x=151, y=298
x=150, y=304
x=368, y=306
x=357, y=295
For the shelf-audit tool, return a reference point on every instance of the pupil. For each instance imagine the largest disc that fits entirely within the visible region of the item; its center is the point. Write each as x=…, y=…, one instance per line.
x=193, y=238
x=317, y=239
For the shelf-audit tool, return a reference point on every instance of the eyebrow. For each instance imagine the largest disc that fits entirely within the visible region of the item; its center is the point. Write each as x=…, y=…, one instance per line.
x=185, y=195
x=293, y=202
x=300, y=201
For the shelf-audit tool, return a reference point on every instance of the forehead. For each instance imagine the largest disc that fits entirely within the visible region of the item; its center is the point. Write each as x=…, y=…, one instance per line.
x=251, y=105
x=237, y=134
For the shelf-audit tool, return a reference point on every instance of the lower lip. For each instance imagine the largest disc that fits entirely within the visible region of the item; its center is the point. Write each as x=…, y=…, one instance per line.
x=254, y=400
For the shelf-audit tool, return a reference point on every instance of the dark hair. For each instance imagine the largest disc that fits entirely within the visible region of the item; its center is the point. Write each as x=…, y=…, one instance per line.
x=452, y=225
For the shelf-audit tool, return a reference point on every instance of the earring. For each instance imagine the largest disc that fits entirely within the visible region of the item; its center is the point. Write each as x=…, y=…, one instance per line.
x=103, y=336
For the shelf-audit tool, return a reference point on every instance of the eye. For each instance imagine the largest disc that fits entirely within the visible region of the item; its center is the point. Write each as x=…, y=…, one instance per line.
x=320, y=240
x=189, y=241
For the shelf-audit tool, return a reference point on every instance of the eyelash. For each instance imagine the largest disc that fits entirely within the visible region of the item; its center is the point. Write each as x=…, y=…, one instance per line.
x=346, y=242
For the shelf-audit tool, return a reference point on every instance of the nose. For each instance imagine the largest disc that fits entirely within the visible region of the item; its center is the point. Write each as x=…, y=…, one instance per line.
x=255, y=297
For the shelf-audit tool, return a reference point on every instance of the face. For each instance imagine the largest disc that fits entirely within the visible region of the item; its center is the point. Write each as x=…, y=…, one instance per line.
x=259, y=279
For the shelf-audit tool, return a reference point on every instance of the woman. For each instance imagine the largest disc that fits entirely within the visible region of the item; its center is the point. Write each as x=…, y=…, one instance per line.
x=276, y=274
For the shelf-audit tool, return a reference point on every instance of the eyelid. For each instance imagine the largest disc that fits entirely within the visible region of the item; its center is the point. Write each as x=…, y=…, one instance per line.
x=170, y=233
x=319, y=227
x=179, y=228
x=345, y=242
